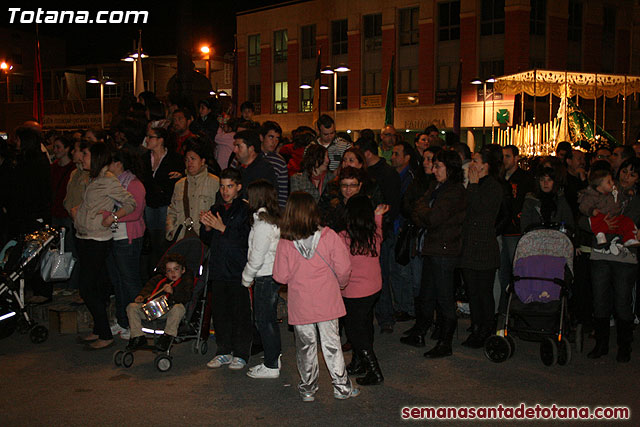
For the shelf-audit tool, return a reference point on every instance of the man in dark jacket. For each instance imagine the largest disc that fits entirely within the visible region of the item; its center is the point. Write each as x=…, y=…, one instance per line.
x=521, y=183
x=225, y=228
x=389, y=182
x=253, y=166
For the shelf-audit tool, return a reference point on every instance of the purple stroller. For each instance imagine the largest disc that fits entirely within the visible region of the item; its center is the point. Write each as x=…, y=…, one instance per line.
x=537, y=305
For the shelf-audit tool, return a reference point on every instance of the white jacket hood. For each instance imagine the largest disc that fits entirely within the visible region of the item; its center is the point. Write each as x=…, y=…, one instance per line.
x=307, y=246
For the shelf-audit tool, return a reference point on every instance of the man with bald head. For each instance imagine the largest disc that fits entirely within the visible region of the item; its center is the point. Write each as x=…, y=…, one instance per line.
x=388, y=138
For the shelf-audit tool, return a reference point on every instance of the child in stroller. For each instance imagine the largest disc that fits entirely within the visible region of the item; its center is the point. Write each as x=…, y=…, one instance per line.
x=177, y=286
x=189, y=293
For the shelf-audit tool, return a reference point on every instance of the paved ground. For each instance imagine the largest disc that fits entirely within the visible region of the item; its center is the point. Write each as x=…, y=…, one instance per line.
x=57, y=383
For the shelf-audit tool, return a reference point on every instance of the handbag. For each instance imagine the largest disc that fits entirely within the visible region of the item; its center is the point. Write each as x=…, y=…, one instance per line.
x=57, y=265
x=404, y=243
x=188, y=222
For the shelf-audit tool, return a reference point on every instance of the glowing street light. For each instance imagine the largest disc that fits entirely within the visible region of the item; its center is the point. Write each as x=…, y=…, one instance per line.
x=105, y=80
x=479, y=81
x=5, y=67
x=330, y=70
x=206, y=52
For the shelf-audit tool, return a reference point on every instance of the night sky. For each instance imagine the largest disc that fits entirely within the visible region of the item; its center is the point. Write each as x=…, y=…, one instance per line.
x=213, y=22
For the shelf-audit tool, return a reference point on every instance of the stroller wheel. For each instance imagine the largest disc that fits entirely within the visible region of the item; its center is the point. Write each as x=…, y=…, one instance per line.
x=564, y=352
x=194, y=346
x=512, y=344
x=38, y=334
x=127, y=359
x=117, y=357
x=204, y=347
x=548, y=352
x=23, y=326
x=497, y=348
x=163, y=363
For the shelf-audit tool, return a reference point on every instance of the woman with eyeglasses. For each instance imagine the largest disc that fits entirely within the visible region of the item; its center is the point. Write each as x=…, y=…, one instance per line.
x=332, y=203
x=163, y=167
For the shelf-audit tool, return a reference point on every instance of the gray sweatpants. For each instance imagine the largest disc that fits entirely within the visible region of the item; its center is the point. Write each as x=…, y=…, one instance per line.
x=307, y=357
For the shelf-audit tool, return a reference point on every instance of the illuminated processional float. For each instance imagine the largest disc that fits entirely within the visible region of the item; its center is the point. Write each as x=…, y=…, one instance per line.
x=571, y=123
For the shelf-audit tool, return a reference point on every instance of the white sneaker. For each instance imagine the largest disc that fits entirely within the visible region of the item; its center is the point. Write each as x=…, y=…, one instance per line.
x=219, y=360
x=308, y=397
x=353, y=393
x=601, y=239
x=237, y=363
x=631, y=243
x=116, y=329
x=613, y=248
x=261, y=371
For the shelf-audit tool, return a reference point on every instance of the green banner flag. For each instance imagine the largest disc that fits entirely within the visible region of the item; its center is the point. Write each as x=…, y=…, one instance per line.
x=388, y=108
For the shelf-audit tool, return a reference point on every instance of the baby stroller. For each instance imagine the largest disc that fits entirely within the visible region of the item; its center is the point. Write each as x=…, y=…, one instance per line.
x=195, y=253
x=537, y=304
x=17, y=259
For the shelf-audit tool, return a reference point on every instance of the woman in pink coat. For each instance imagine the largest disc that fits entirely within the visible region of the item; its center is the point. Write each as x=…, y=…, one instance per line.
x=314, y=262
x=363, y=236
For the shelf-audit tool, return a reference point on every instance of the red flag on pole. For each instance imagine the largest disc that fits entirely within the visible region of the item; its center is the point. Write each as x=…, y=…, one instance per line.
x=38, y=99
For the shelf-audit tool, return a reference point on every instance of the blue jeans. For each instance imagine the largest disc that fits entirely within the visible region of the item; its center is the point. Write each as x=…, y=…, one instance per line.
x=401, y=284
x=265, y=303
x=155, y=218
x=384, y=307
x=613, y=289
x=123, y=265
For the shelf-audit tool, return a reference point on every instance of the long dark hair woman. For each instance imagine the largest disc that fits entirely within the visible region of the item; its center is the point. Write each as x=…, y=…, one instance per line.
x=162, y=168
x=480, y=252
x=263, y=241
x=93, y=219
x=546, y=205
x=363, y=237
x=315, y=175
x=441, y=212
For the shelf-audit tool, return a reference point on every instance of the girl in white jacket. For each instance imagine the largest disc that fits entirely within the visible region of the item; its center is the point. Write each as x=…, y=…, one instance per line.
x=263, y=241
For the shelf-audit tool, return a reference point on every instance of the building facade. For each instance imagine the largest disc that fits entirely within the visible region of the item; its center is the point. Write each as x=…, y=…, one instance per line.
x=428, y=41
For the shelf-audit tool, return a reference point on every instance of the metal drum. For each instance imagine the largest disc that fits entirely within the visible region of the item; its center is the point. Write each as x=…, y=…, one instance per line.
x=156, y=308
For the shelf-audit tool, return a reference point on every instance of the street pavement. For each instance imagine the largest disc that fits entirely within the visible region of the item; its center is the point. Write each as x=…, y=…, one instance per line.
x=58, y=383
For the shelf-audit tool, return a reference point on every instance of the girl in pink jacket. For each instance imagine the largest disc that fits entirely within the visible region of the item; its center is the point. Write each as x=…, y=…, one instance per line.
x=363, y=237
x=314, y=263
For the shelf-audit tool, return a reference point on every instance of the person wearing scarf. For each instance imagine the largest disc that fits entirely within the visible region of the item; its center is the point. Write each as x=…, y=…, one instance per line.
x=123, y=260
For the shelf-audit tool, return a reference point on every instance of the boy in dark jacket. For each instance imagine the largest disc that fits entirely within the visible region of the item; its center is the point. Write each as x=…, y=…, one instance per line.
x=225, y=227
x=177, y=284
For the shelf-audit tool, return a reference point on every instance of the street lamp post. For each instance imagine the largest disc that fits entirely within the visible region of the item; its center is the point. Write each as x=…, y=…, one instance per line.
x=330, y=70
x=102, y=82
x=6, y=68
x=133, y=58
x=206, y=51
x=478, y=81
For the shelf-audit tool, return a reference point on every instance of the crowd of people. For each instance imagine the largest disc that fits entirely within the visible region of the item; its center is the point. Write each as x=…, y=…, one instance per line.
x=394, y=230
